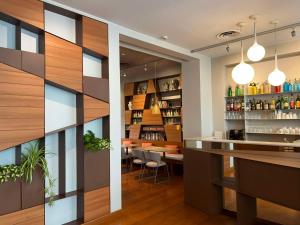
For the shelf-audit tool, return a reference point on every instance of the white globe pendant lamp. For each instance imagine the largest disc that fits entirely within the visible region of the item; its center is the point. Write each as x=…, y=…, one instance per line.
x=256, y=52
x=276, y=77
x=242, y=73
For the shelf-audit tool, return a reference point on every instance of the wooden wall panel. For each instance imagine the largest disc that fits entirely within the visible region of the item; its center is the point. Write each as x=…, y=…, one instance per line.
x=129, y=89
x=138, y=102
x=63, y=62
x=34, y=215
x=173, y=132
x=10, y=195
x=134, y=131
x=95, y=35
x=21, y=107
x=29, y=11
x=128, y=115
x=150, y=87
x=94, y=108
x=96, y=87
x=151, y=119
x=96, y=204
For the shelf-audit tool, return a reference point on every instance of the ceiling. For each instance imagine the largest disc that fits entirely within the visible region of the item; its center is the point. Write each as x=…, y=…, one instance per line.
x=191, y=23
x=131, y=58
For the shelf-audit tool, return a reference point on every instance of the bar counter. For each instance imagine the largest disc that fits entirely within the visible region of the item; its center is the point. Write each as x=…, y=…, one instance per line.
x=273, y=176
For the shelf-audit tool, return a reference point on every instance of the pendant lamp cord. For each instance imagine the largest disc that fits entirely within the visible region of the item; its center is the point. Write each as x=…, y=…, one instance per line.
x=242, y=52
x=155, y=80
x=254, y=23
x=275, y=40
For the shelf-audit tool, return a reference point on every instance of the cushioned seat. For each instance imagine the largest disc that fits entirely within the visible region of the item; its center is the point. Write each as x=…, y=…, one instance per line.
x=155, y=164
x=178, y=157
x=138, y=161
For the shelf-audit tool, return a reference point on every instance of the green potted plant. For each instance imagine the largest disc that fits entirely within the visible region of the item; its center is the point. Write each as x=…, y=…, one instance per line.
x=96, y=161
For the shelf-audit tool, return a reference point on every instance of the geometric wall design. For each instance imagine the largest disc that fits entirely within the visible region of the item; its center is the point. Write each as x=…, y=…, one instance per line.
x=45, y=96
x=21, y=107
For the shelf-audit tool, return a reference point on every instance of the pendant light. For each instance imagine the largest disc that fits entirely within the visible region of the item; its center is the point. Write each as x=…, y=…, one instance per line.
x=276, y=77
x=243, y=73
x=256, y=52
x=155, y=107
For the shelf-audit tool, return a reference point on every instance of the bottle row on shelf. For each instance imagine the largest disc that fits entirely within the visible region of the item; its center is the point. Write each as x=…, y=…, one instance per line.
x=270, y=130
x=137, y=114
x=281, y=103
x=153, y=136
x=171, y=113
x=264, y=88
x=170, y=121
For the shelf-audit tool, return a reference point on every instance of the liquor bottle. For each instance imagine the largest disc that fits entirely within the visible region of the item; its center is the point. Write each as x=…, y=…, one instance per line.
x=277, y=89
x=267, y=88
x=257, y=107
x=266, y=105
x=237, y=90
x=278, y=104
x=285, y=86
x=262, y=89
x=292, y=102
x=298, y=102
x=242, y=90
x=295, y=87
x=243, y=105
x=229, y=92
x=253, y=105
x=282, y=103
x=235, y=104
x=290, y=87
x=261, y=105
x=231, y=105
x=286, y=103
x=273, y=104
x=254, y=88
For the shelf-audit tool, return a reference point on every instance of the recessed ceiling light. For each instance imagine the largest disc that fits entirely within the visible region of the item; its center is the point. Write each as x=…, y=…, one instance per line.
x=123, y=74
x=123, y=54
x=164, y=37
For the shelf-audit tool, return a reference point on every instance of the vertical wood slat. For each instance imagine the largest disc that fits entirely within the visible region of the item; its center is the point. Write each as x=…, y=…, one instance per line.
x=62, y=162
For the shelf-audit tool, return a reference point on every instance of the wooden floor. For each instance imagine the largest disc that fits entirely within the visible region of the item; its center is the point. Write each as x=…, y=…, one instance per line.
x=145, y=203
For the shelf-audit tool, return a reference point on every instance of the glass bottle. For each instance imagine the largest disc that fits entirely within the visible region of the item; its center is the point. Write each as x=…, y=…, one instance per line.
x=285, y=86
x=266, y=105
x=237, y=90
x=286, y=103
x=278, y=104
x=292, y=102
x=273, y=104
x=229, y=92
x=298, y=102
x=290, y=87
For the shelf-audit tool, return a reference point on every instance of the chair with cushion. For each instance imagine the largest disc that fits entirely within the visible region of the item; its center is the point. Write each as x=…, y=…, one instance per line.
x=128, y=143
x=146, y=144
x=139, y=159
x=153, y=161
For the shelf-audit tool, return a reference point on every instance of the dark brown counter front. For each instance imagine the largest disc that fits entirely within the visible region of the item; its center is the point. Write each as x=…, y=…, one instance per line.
x=271, y=176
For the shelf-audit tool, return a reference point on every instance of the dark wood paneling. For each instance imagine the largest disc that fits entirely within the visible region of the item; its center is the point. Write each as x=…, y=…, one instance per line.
x=33, y=63
x=246, y=209
x=96, y=170
x=80, y=171
x=10, y=195
x=94, y=108
x=10, y=57
x=200, y=169
x=34, y=215
x=29, y=11
x=62, y=162
x=275, y=183
x=95, y=35
x=151, y=119
x=129, y=89
x=33, y=193
x=96, y=204
x=63, y=62
x=96, y=87
x=173, y=132
x=21, y=107
x=106, y=127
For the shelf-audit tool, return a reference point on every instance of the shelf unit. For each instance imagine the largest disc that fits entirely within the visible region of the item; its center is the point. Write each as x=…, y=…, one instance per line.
x=140, y=123
x=263, y=119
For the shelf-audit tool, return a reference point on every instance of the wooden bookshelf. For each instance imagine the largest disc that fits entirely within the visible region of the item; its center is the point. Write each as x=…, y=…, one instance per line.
x=140, y=123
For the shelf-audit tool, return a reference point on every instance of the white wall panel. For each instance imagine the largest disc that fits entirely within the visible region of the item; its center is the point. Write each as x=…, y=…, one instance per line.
x=51, y=146
x=71, y=172
x=95, y=126
x=7, y=35
x=29, y=41
x=60, y=108
x=7, y=157
x=92, y=66
x=61, y=26
x=64, y=211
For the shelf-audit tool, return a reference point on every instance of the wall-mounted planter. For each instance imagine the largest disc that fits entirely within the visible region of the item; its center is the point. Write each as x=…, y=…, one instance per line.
x=33, y=193
x=96, y=169
x=10, y=195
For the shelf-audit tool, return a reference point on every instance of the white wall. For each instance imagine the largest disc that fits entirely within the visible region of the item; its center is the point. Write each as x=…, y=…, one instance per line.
x=66, y=28
x=92, y=66
x=29, y=41
x=60, y=108
x=7, y=35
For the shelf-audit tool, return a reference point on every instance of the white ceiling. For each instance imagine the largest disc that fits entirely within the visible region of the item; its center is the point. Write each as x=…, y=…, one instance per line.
x=192, y=23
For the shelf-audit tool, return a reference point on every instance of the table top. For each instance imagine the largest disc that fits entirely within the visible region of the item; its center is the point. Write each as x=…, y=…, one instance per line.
x=157, y=149
x=130, y=145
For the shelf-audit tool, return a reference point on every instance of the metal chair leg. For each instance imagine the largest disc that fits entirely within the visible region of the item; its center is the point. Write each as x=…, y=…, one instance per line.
x=168, y=172
x=155, y=179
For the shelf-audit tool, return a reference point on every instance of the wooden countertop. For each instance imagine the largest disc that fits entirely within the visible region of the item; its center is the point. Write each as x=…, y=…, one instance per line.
x=212, y=139
x=289, y=159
